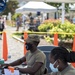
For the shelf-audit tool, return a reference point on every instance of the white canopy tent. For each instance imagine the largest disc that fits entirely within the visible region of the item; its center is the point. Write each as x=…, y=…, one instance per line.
x=57, y=1
x=36, y=6
x=63, y=5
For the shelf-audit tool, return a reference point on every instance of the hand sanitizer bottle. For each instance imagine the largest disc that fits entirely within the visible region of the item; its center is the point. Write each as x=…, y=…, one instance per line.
x=11, y=69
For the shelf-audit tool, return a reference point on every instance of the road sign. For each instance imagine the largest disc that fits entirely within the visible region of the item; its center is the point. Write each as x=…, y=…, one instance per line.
x=2, y=5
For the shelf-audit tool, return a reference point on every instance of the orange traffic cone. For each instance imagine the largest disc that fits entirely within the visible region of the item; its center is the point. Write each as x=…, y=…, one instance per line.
x=73, y=49
x=25, y=37
x=56, y=39
x=5, y=48
x=73, y=44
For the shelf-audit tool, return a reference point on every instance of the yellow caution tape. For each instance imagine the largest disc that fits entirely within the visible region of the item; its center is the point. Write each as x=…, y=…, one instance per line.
x=19, y=32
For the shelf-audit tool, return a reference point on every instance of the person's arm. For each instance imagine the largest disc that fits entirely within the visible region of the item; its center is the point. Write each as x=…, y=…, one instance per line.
x=15, y=63
x=39, y=61
x=31, y=70
x=18, y=62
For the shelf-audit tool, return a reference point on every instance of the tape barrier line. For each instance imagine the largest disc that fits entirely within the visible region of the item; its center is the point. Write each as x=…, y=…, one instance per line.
x=47, y=33
x=19, y=32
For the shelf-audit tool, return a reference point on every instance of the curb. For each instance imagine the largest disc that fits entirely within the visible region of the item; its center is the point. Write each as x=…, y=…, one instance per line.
x=15, y=37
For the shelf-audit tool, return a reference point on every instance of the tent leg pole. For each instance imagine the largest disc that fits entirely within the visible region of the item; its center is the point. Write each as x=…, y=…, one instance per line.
x=63, y=12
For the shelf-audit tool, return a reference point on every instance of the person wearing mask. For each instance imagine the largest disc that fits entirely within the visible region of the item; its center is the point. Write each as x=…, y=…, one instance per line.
x=60, y=59
x=34, y=58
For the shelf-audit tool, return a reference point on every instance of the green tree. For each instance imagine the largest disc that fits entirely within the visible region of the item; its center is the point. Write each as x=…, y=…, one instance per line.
x=11, y=6
x=59, y=4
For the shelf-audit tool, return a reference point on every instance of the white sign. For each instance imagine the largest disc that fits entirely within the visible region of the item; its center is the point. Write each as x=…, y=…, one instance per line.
x=8, y=72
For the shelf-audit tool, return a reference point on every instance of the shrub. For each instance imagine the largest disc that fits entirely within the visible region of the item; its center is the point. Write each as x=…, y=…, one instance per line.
x=15, y=16
x=45, y=27
x=57, y=26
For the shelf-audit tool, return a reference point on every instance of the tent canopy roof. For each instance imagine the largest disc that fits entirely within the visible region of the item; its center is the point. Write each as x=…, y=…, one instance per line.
x=37, y=6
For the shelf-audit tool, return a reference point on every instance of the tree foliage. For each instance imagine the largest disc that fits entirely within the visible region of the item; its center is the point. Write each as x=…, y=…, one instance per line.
x=60, y=4
x=11, y=6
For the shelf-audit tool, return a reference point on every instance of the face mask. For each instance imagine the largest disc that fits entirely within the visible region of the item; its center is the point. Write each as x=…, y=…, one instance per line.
x=52, y=67
x=28, y=46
